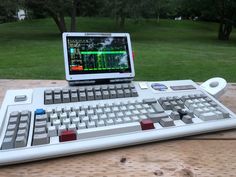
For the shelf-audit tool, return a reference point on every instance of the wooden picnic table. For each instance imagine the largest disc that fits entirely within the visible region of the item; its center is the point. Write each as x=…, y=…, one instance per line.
x=205, y=155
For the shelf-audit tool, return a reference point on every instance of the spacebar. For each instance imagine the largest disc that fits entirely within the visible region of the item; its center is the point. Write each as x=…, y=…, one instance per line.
x=108, y=130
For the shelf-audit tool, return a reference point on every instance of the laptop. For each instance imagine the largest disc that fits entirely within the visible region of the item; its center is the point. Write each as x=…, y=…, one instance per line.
x=92, y=58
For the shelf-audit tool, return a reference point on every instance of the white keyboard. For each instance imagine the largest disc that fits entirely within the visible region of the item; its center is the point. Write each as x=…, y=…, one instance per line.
x=51, y=122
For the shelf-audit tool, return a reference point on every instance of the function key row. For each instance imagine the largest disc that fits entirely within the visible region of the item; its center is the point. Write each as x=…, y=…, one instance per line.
x=89, y=93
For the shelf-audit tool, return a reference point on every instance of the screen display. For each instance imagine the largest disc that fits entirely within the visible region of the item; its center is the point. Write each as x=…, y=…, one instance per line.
x=91, y=55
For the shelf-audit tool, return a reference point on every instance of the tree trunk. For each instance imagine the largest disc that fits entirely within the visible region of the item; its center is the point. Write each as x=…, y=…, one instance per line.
x=225, y=30
x=59, y=20
x=73, y=16
x=62, y=22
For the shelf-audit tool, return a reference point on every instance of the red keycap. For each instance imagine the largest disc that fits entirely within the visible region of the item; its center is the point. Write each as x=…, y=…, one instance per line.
x=67, y=136
x=147, y=124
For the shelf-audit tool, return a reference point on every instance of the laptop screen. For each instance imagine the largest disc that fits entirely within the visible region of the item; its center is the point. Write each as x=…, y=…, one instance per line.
x=97, y=56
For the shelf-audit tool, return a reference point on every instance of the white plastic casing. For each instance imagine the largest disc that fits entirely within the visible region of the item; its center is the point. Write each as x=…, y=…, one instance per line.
x=215, y=86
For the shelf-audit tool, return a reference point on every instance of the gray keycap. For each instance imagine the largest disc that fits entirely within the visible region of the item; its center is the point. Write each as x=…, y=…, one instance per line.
x=184, y=98
x=112, y=94
x=82, y=96
x=187, y=119
x=175, y=115
x=166, y=105
x=167, y=122
x=208, y=99
x=125, y=86
x=74, y=97
x=39, y=124
x=48, y=99
x=98, y=95
x=22, y=132
x=57, y=91
x=120, y=93
x=52, y=131
x=157, y=107
x=24, y=119
x=25, y=113
x=111, y=87
x=192, y=96
x=57, y=98
x=13, y=120
x=132, y=86
x=40, y=130
x=65, y=97
x=162, y=100
x=73, y=90
x=20, y=141
x=65, y=91
x=134, y=93
x=104, y=87
x=14, y=114
x=157, y=117
x=90, y=96
x=105, y=95
x=190, y=113
x=180, y=103
x=81, y=89
x=89, y=89
x=41, y=117
x=127, y=93
x=8, y=143
x=11, y=127
x=173, y=104
x=224, y=112
x=212, y=103
x=177, y=108
x=39, y=139
x=48, y=92
x=149, y=100
x=118, y=86
x=97, y=88
x=10, y=133
x=23, y=126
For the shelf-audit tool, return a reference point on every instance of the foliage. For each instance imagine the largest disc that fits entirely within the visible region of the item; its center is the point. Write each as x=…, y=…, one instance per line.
x=57, y=10
x=7, y=10
x=221, y=11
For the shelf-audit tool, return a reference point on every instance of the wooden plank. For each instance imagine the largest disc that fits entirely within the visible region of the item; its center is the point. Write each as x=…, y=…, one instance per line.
x=171, y=158
x=196, y=156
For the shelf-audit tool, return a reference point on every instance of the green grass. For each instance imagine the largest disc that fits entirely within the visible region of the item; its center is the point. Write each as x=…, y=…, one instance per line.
x=165, y=51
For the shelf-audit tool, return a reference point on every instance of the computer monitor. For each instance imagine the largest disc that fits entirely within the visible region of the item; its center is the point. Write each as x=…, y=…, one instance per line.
x=98, y=56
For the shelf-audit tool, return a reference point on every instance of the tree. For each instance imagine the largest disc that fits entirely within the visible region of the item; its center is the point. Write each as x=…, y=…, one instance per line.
x=227, y=17
x=8, y=9
x=57, y=10
x=120, y=9
x=221, y=11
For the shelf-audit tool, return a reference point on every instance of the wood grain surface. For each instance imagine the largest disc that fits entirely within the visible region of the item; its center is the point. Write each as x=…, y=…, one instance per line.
x=211, y=155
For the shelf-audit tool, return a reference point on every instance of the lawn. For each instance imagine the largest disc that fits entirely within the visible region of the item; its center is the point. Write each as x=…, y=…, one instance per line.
x=166, y=50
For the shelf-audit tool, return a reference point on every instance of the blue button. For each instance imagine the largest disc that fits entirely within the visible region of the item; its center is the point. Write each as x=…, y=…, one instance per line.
x=39, y=111
x=159, y=87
